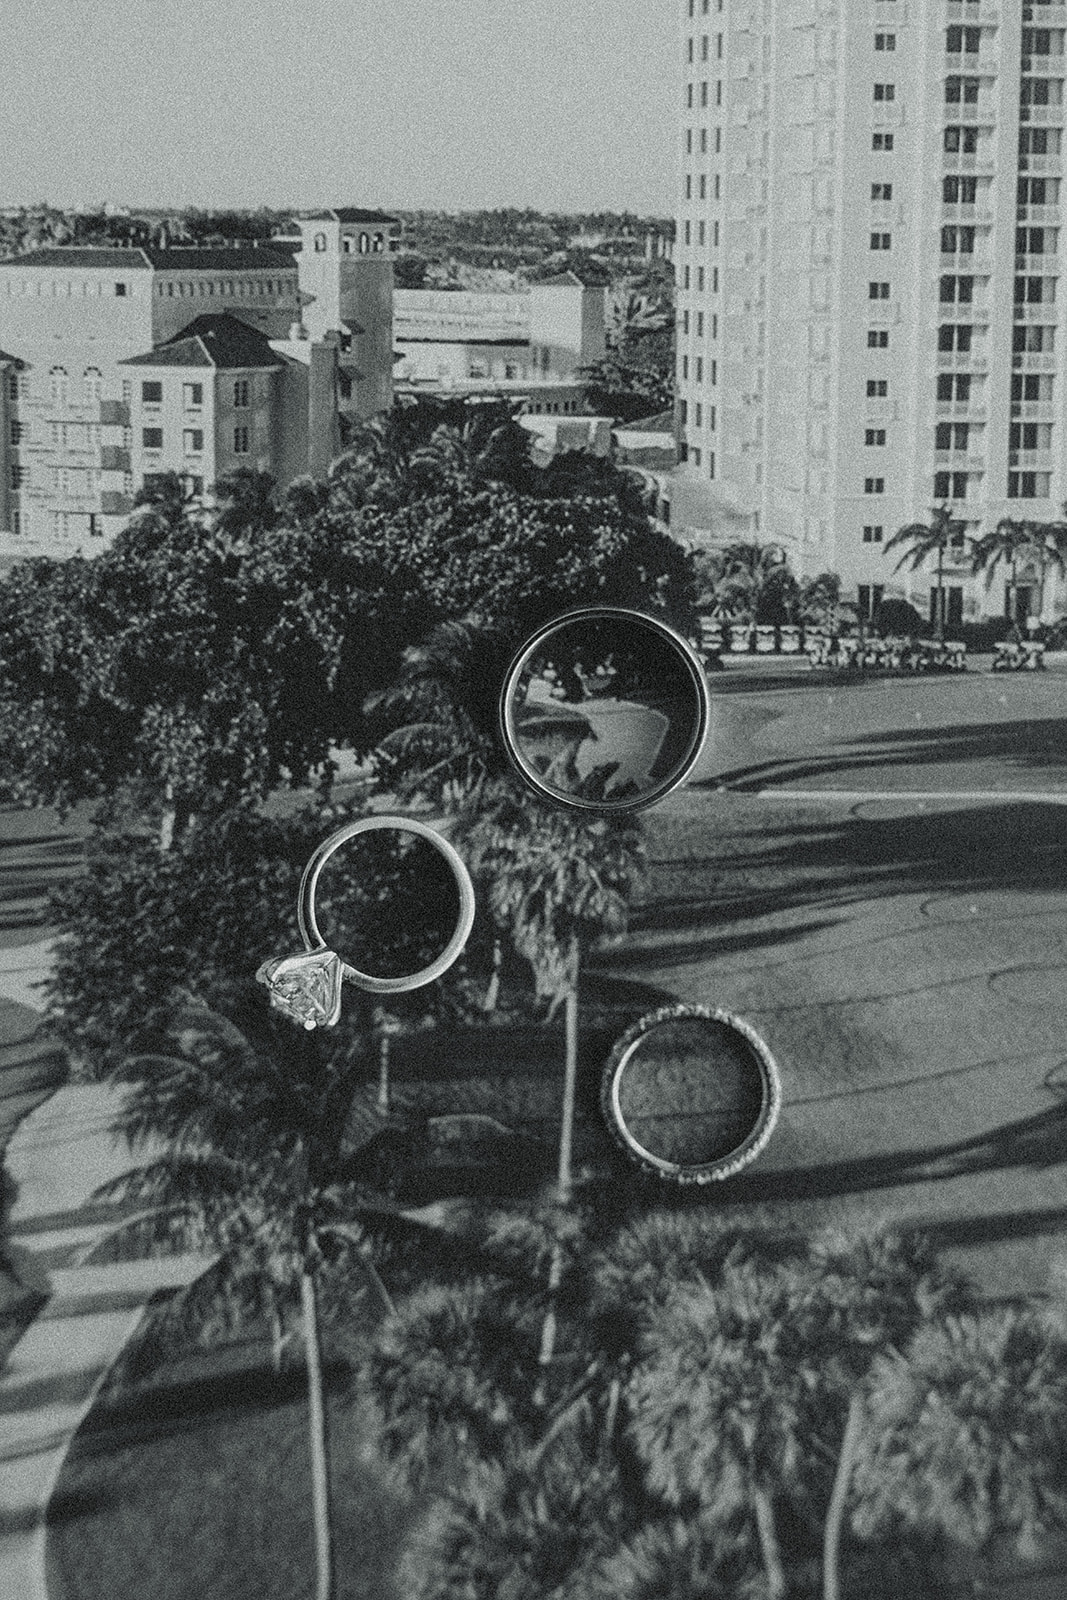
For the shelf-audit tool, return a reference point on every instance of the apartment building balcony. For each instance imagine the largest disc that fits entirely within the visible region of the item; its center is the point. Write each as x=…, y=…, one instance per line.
x=1042, y=116
x=960, y=411
x=1045, y=312
x=975, y=312
x=963, y=161
x=986, y=64
x=1031, y=460
x=1047, y=215
x=981, y=214
x=1050, y=66
x=1041, y=166
x=976, y=264
x=957, y=461
x=975, y=363
x=1050, y=16
x=985, y=14
x=114, y=414
x=1033, y=411
x=1034, y=361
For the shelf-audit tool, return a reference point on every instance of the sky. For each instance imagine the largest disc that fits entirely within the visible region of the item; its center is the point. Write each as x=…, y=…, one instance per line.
x=437, y=104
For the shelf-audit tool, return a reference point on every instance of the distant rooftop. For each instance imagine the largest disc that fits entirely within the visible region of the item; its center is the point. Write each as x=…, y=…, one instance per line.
x=81, y=256
x=214, y=340
x=662, y=422
x=226, y=258
x=350, y=214
x=569, y=279
x=164, y=258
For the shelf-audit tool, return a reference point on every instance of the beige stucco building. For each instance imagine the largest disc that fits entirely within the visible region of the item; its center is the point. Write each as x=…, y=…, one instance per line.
x=316, y=316
x=545, y=332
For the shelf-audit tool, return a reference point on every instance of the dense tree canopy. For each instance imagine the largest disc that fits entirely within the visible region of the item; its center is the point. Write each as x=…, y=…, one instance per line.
x=209, y=655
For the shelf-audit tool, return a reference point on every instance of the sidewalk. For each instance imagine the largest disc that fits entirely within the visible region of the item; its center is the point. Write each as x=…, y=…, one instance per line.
x=56, y=1158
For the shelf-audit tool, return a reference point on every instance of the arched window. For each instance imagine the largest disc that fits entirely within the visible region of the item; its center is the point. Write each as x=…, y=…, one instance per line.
x=379, y=243
x=320, y=243
x=57, y=385
x=364, y=243
x=93, y=380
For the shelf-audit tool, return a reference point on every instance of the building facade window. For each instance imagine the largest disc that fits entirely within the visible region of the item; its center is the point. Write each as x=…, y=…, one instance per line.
x=241, y=392
x=193, y=441
x=878, y=338
x=873, y=532
x=881, y=141
x=874, y=485
x=152, y=438
x=240, y=441
x=151, y=393
x=192, y=396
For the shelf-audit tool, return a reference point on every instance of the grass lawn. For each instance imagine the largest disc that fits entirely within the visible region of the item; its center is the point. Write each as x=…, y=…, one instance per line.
x=198, y=1484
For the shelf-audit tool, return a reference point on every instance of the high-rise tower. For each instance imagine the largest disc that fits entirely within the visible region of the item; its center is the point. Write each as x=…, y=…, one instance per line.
x=870, y=305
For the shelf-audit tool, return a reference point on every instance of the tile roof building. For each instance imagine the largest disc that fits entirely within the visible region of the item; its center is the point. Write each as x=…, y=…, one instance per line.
x=302, y=325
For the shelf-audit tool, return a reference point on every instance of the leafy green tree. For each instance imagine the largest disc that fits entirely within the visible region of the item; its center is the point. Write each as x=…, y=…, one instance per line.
x=197, y=661
x=627, y=389
x=918, y=541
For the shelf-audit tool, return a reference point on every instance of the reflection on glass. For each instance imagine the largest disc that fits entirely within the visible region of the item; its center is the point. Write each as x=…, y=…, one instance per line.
x=605, y=709
x=388, y=902
x=691, y=1094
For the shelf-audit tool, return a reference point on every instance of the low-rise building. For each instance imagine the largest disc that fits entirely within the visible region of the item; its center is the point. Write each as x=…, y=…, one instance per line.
x=547, y=331
x=216, y=397
x=312, y=315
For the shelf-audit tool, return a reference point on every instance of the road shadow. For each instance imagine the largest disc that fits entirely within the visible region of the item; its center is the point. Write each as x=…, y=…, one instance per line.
x=1037, y=1141
x=764, y=864
x=1032, y=744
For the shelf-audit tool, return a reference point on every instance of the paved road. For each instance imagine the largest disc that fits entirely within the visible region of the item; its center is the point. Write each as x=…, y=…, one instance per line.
x=905, y=959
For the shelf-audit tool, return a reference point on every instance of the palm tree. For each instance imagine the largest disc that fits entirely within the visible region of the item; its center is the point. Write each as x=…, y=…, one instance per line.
x=1051, y=555
x=716, y=1403
x=426, y=447
x=558, y=883
x=966, y=1430
x=920, y=541
x=1012, y=540
x=442, y=713
x=253, y=1166
x=742, y=581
